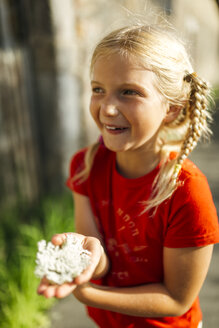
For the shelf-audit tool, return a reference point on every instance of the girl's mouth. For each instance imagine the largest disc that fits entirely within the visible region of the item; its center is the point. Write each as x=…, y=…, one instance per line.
x=115, y=129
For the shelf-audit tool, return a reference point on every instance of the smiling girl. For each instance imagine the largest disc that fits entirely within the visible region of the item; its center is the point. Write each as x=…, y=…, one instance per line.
x=141, y=207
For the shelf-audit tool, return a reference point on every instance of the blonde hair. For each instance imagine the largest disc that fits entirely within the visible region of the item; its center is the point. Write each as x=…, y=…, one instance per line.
x=166, y=56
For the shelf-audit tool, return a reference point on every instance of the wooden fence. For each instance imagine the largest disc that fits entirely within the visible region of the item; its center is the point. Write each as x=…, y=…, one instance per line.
x=30, y=144
x=19, y=158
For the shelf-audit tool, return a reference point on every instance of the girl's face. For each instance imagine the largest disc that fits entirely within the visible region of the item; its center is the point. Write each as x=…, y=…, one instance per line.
x=125, y=104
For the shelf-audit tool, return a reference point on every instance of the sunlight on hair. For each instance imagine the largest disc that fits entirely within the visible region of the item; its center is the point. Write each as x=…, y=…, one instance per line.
x=161, y=51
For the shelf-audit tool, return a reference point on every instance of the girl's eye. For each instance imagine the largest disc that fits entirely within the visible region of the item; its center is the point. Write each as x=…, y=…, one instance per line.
x=130, y=92
x=97, y=90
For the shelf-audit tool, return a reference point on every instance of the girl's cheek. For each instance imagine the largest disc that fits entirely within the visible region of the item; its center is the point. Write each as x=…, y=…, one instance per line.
x=95, y=115
x=92, y=107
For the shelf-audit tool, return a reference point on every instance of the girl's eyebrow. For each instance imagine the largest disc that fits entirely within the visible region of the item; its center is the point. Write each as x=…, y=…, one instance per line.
x=137, y=86
x=133, y=84
x=95, y=82
x=127, y=85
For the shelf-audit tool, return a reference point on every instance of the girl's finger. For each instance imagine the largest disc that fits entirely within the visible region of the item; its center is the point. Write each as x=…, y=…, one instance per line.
x=65, y=290
x=43, y=285
x=87, y=274
x=41, y=288
x=84, y=277
x=58, y=239
x=95, y=248
x=50, y=291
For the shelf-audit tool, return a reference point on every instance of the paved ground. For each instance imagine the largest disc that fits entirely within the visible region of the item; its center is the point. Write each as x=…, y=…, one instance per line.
x=69, y=313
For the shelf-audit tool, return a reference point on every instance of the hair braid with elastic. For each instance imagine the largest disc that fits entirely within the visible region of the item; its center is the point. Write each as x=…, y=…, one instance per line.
x=194, y=115
x=198, y=115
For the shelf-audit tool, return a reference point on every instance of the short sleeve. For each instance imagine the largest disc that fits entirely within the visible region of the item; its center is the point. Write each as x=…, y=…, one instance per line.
x=193, y=217
x=76, y=166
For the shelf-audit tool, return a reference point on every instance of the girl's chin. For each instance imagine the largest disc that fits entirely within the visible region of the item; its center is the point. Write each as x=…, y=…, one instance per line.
x=116, y=148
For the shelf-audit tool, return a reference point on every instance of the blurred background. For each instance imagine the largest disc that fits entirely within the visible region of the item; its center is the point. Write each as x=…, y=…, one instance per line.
x=45, y=48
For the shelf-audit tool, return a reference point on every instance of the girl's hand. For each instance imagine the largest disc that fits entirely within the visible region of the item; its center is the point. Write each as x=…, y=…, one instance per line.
x=91, y=244
x=49, y=290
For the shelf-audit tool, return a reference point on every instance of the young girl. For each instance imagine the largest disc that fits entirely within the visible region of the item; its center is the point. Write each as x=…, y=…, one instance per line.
x=141, y=207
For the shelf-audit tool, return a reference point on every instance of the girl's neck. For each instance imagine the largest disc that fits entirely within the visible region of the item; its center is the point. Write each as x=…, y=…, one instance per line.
x=135, y=164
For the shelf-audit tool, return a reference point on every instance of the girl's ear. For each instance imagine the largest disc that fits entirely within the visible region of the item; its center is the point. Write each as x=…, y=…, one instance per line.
x=172, y=113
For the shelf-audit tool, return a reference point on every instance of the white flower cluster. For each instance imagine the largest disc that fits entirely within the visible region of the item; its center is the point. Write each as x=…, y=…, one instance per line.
x=61, y=264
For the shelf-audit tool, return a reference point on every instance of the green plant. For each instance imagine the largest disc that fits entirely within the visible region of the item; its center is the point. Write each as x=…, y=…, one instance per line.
x=21, y=229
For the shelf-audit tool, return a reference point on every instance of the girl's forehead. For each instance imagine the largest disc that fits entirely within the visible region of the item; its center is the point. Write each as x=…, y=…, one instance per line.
x=113, y=59
x=118, y=67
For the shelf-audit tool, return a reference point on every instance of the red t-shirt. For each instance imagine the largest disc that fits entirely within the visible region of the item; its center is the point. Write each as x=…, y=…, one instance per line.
x=135, y=241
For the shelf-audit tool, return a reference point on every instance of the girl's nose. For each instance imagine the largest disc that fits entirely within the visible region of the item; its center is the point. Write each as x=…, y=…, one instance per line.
x=109, y=109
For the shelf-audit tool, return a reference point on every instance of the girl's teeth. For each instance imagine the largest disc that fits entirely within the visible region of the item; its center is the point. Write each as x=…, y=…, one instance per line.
x=113, y=128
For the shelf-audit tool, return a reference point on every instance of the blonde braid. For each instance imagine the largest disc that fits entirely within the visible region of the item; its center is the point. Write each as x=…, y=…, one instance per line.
x=197, y=108
x=196, y=114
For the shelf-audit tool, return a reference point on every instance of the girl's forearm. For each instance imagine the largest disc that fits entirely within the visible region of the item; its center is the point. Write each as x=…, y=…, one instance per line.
x=152, y=300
